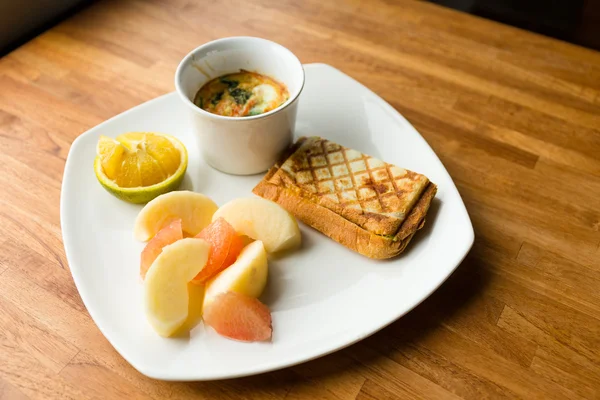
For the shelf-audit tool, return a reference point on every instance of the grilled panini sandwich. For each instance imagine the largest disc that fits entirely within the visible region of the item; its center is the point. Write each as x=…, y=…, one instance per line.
x=365, y=204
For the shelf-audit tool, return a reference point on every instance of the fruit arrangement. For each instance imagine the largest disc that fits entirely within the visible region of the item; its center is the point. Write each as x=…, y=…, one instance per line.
x=192, y=241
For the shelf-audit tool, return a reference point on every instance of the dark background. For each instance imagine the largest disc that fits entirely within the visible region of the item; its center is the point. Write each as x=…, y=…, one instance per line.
x=575, y=21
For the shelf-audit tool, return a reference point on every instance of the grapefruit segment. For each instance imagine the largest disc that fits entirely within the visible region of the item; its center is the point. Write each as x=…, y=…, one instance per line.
x=167, y=235
x=225, y=246
x=239, y=317
x=235, y=248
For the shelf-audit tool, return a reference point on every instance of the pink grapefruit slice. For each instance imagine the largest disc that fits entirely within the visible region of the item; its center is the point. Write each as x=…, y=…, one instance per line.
x=225, y=246
x=239, y=317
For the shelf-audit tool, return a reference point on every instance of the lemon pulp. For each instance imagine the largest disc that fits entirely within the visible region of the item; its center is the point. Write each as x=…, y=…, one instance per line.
x=139, y=166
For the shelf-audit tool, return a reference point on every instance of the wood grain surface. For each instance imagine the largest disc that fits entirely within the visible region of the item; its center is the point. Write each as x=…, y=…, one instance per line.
x=514, y=117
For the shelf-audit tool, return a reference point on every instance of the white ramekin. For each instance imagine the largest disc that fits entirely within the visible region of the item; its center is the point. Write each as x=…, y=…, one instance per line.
x=241, y=145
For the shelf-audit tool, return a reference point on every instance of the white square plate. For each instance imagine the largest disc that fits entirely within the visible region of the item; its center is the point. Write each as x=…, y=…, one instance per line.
x=323, y=297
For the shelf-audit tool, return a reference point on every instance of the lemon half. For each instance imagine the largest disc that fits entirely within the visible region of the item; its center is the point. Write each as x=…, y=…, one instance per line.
x=139, y=166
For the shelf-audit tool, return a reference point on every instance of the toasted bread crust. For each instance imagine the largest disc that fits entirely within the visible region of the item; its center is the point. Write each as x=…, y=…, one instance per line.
x=370, y=192
x=339, y=228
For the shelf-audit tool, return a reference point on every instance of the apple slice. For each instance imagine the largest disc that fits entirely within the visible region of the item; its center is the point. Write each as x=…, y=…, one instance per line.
x=247, y=275
x=166, y=236
x=165, y=287
x=194, y=209
x=262, y=220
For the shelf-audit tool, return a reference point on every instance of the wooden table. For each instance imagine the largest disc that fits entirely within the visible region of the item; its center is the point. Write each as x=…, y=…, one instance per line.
x=514, y=117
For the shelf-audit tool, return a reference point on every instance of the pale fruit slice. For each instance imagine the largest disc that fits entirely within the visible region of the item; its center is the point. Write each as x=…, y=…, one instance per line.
x=262, y=220
x=247, y=275
x=194, y=209
x=195, y=302
x=165, y=287
x=240, y=317
x=167, y=235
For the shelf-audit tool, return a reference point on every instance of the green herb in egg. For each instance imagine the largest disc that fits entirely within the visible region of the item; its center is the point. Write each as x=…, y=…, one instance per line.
x=241, y=94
